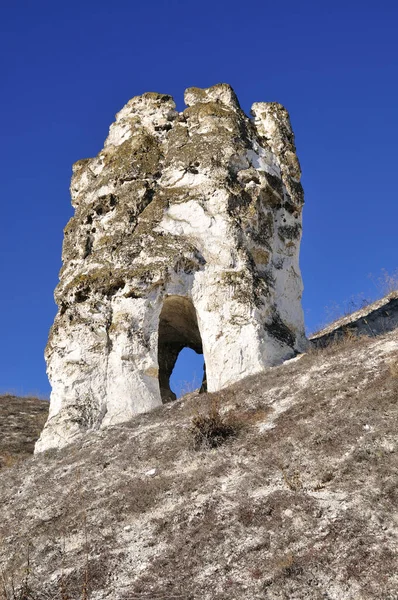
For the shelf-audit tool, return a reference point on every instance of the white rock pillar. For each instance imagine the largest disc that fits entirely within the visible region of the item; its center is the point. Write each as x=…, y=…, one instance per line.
x=186, y=232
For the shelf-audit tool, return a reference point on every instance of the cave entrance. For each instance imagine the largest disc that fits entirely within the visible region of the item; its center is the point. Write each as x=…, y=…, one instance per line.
x=178, y=329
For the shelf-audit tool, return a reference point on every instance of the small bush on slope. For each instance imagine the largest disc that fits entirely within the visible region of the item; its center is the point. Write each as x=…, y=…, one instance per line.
x=212, y=429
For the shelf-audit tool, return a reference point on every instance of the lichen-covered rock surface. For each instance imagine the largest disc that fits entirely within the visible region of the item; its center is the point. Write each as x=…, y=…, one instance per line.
x=186, y=233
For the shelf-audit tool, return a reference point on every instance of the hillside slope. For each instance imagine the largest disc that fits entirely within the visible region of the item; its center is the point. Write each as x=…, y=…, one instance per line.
x=372, y=319
x=299, y=503
x=21, y=421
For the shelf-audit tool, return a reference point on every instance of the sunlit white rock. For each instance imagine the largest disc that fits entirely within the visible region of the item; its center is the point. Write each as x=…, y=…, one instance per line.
x=186, y=233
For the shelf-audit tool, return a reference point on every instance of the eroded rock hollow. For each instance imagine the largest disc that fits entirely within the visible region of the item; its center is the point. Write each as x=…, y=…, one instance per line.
x=186, y=233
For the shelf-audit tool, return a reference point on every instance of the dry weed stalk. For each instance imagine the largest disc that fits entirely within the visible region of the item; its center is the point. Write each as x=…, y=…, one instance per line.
x=336, y=311
x=85, y=576
x=85, y=594
x=387, y=282
x=187, y=387
x=62, y=584
x=23, y=592
x=10, y=590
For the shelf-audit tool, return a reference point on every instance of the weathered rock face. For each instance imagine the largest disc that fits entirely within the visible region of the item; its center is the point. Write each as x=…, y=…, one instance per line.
x=186, y=234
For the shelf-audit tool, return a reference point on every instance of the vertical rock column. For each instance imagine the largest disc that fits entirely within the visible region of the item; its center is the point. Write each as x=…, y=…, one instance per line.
x=186, y=232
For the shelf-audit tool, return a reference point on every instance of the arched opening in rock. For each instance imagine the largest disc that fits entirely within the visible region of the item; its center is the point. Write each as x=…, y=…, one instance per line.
x=178, y=329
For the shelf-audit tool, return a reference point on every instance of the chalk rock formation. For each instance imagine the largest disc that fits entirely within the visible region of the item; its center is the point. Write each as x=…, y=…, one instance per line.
x=186, y=234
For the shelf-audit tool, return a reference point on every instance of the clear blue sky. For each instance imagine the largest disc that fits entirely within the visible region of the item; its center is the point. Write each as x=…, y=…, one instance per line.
x=68, y=67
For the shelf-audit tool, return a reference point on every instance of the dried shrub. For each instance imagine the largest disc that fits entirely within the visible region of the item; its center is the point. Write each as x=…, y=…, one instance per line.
x=212, y=429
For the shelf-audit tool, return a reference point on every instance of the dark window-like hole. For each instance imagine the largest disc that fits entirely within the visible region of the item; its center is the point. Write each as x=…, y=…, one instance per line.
x=178, y=330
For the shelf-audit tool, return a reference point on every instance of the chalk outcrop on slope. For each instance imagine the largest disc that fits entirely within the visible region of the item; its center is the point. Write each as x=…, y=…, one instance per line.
x=186, y=233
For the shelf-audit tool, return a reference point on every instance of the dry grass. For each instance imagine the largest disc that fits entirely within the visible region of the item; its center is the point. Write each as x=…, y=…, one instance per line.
x=25, y=584
x=336, y=311
x=10, y=590
x=29, y=587
x=342, y=338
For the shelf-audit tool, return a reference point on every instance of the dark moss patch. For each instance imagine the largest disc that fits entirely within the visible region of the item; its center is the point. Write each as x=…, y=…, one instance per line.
x=289, y=232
